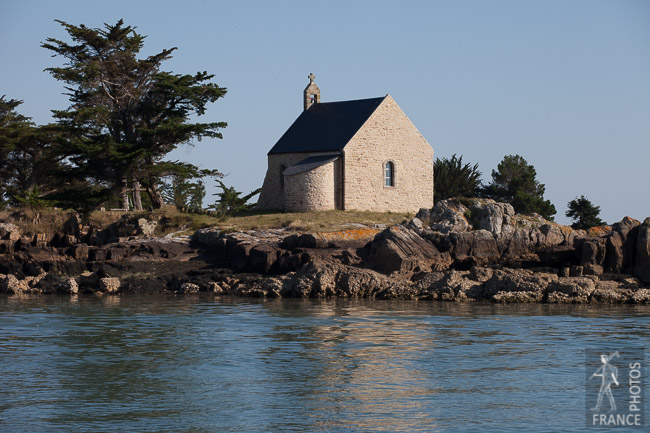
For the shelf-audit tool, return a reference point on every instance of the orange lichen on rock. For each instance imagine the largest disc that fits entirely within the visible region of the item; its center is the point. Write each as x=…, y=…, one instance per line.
x=352, y=234
x=565, y=230
x=599, y=231
x=630, y=221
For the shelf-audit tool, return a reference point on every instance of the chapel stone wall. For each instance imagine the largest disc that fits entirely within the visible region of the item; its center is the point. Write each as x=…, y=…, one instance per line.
x=272, y=194
x=311, y=190
x=388, y=135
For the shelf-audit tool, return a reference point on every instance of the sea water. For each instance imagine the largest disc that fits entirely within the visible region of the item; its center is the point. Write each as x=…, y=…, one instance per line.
x=204, y=364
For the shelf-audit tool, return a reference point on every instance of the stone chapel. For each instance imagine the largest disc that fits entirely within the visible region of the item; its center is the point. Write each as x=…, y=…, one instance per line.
x=363, y=154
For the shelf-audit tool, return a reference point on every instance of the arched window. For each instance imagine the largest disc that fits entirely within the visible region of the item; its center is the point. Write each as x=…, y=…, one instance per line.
x=389, y=174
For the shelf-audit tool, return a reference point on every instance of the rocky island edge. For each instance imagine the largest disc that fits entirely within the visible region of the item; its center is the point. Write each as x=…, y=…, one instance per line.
x=461, y=250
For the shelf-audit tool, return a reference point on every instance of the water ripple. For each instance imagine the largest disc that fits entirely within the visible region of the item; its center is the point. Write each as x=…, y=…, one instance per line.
x=200, y=364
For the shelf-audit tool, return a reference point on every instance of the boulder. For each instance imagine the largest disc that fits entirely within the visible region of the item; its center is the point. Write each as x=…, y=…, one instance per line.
x=288, y=262
x=69, y=285
x=12, y=285
x=262, y=258
x=311, y=240
x=424, y=215
x=517, y=237
x=357, y=283
x=454, y=286
x=89, y=281
x=187, y=287
x=239, y=255
x=207, y=237
x=642, y=259
x=417, y=225
x=641, y=296
x=401, y=249
x=496, y=218
x=109, y=284
x=322, y=280
x=572, y=289
x=449, y=216
x=79, y=252
x=592, y=269
x=473, y=248
x=551, y=235
x=426, y=282
x=9, y=232
x=609, y=293
x=621, y=246
x=558, y=256
x=592, y=251
x=511, y=280
x=290, y=242
x=519, y=246
x=146, y=227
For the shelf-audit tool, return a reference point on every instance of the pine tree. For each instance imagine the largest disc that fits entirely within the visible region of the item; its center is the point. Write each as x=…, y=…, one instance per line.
x=584, y=214
x=185, y=188
x=455, y=179
x=230, y=201
x=125, y=113
x=514, y=181
x=28, y=157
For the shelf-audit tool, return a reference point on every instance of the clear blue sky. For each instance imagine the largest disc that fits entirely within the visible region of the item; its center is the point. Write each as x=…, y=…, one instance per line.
x=565, y=84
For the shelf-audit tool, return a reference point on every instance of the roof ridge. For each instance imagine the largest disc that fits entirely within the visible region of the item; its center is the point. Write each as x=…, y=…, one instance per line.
x=353, y=100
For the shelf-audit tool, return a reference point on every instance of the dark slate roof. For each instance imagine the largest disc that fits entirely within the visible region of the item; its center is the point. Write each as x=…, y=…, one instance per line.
x=326, y=126
x=309, y=164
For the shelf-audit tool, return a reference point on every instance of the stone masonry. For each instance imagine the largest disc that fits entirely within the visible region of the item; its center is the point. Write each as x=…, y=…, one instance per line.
x=388, y=135
x=311, y=190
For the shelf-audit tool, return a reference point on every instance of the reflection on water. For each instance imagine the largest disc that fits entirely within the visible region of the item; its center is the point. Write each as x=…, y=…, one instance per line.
x=196, y=364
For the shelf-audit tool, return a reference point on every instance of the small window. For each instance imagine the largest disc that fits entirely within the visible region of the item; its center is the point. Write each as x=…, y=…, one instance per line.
x=389, y=174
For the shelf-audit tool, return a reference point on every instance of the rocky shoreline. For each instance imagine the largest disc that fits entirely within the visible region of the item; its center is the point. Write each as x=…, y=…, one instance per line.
x=470, y=250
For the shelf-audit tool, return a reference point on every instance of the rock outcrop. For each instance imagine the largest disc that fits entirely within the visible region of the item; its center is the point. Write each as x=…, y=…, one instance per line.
x=470, y=250
x=402, y=250
x=642, y=257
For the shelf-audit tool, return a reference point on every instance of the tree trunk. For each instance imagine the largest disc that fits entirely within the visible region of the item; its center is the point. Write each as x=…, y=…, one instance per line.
x=125, y=196
x=156, y=199
x=137, y=199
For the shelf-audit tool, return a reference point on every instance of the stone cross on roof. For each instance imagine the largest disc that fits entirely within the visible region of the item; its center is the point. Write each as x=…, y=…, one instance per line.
x=312, y=92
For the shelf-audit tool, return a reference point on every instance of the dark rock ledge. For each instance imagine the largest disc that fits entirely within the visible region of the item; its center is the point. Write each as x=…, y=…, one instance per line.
x=477, y=251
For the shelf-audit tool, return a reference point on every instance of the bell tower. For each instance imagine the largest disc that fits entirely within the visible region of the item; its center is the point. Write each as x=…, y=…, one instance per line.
x=312, y=93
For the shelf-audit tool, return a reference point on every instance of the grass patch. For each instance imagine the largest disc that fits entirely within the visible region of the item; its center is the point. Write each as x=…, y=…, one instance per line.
x=36, y=220
x=323, y=221
x=171, y=220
